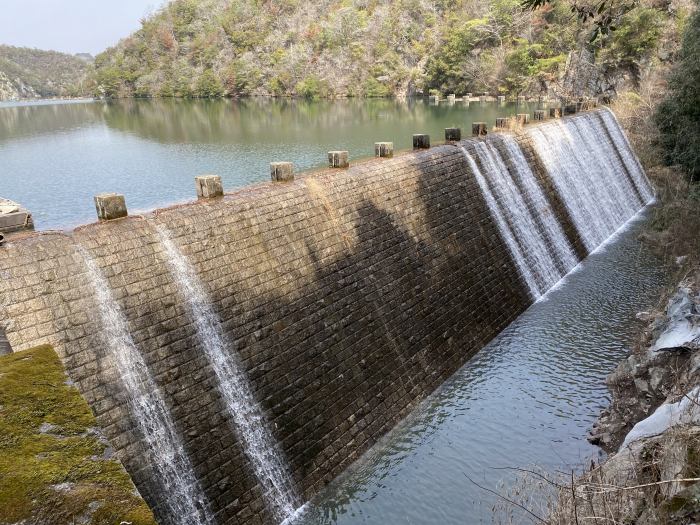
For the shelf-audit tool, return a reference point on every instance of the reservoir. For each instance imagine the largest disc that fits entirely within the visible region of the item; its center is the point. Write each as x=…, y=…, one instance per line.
x=55, y=157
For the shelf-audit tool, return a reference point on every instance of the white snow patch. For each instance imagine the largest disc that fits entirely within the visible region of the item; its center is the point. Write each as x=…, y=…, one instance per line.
x=683, y=412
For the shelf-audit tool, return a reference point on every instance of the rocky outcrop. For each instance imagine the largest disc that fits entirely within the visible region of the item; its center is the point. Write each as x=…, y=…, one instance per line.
x=659, y=374
x=14, y=90
x=651, y=429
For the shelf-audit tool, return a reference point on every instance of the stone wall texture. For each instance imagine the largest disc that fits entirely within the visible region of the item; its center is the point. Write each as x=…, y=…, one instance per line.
x=349, y=296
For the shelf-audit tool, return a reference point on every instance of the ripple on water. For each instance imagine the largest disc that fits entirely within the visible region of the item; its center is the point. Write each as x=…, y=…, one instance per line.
x=528, y=398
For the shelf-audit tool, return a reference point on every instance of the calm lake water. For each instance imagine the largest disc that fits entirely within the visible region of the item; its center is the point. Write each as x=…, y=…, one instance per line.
x=527, y=399
x=54, y=157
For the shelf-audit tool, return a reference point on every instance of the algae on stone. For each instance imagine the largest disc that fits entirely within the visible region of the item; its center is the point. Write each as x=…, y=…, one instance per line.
x=55, y=466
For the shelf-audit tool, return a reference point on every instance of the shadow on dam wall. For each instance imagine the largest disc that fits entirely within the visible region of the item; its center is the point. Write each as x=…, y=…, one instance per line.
x=347, y=296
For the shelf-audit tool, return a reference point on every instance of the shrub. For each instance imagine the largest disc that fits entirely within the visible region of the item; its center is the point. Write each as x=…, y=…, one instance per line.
x=312, y=87
x=208, y=85
x=678, y=116
x=373, y=88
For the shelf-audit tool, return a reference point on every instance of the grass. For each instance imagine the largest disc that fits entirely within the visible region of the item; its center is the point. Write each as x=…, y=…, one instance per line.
x=53, y=466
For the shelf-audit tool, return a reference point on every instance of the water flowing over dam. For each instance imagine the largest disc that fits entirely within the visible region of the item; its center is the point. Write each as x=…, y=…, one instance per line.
x=182, y=501
x=260, y=447
x=240, y=352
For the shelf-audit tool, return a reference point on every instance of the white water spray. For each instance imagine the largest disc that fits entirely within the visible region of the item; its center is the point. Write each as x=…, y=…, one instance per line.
x=183, y=502
x=250, y=424
x=516, y=250
x=595, y=190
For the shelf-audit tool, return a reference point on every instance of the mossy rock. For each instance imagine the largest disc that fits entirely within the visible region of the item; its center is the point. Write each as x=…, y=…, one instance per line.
x=54, y=463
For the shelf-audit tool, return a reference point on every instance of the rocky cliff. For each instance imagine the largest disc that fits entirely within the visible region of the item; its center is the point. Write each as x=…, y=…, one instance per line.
x=32, y=73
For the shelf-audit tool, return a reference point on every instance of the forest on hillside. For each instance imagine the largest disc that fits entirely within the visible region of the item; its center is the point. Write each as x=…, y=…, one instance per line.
x=373, y=48
x=33, y=73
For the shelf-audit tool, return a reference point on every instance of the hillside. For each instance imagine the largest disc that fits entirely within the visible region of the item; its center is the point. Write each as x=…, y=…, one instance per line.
x=374, y=48
x=32, y=73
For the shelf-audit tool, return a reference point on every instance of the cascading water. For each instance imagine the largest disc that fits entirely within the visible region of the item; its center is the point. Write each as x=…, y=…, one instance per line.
x=551, y=228
x=634, y=168
x=516, y=250
x=183, y=502
x=248, y=419
x=526, y=229
x=599, y=155
x=595, y=190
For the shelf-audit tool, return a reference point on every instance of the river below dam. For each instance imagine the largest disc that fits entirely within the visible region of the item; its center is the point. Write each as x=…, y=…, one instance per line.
x=526, y=400
x=54, y=157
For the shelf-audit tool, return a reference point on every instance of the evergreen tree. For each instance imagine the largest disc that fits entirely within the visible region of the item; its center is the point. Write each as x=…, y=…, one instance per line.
x=678, y=117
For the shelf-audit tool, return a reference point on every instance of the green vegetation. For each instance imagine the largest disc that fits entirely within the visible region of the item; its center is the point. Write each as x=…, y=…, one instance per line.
x=365, y=48
x=30, y=73
x=53, y=468
x=678, y=117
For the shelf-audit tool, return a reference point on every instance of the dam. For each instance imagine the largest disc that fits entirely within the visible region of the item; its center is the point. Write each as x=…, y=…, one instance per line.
x=240, y=352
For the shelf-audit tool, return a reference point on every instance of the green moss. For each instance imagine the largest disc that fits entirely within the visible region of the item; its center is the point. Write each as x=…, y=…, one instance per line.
x=51, y=466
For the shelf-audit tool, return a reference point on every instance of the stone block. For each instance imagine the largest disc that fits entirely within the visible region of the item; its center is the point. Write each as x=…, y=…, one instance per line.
x=540, y=114
x=479, y=129
x=282, y=171
x=523, y=118
x=453, y=134
x=338, y=159
x=208, y=186
x=384, y=149
x=502, y=123
x=421, y=141
x=110, y=206
x=554, y=112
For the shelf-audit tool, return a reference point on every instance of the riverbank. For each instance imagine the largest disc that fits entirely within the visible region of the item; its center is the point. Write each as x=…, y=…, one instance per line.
x=651, y=429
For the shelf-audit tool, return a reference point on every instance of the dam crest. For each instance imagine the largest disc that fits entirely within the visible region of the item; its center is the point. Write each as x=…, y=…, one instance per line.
x=240, y=352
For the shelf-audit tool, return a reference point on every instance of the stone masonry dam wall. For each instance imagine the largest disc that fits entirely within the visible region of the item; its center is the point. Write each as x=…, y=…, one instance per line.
x=346, y=295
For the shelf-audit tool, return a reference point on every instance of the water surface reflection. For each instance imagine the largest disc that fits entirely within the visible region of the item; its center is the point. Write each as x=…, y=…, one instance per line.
x=55, y=157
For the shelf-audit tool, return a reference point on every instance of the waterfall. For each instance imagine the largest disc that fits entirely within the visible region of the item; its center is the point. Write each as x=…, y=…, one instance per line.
x=516, y=250
x=183, y=502
x=634, y=167
x=552, y=230
x=596, y=191
x=250, y=424
x=595, y=174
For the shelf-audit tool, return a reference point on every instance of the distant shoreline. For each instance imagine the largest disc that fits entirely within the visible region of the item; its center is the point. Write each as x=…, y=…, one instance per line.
x=44, y=101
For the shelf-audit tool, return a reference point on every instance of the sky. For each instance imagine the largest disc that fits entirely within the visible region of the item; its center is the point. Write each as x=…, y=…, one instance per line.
x=71, y=26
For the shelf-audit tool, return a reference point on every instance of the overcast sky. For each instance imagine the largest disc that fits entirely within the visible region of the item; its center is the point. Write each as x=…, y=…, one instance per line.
x=71, y=26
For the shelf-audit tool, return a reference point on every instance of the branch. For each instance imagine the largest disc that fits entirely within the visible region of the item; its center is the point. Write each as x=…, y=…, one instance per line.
x=540, y=520
x=541, y=476
x=613, y=488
